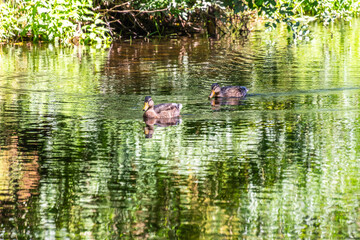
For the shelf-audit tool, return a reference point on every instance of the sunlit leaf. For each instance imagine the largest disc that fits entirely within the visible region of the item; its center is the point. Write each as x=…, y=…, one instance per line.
x=43, y=10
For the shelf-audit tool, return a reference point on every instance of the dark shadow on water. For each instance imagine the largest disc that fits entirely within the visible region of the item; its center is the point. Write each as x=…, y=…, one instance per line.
x=161, y=122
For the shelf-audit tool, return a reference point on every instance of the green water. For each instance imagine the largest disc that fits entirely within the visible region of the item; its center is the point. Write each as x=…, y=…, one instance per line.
x=77, y=160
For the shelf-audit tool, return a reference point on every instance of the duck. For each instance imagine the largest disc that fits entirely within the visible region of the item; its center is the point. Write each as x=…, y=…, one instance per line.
x=164, y=110
x=228, y=91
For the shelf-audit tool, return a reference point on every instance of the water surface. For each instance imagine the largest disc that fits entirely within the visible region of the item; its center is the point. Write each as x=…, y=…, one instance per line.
x=78, y=161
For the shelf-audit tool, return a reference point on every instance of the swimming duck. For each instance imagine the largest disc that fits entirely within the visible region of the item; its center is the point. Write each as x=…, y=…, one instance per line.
x=164, y=110
x=228, y=91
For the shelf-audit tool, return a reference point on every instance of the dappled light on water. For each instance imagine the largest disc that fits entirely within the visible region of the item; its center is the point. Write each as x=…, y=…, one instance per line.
x=77, y=159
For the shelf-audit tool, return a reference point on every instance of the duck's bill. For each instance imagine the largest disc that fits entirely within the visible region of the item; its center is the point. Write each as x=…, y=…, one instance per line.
x=146, y=106
x=212, y=94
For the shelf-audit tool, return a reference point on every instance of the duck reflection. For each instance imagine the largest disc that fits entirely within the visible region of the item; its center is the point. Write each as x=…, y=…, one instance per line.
x=161, y=122
x=216, y=103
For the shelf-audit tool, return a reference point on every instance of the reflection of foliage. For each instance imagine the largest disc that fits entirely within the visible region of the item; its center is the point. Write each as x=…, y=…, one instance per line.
x=277, y=166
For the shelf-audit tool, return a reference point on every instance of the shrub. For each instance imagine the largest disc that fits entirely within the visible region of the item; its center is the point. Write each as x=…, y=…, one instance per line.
x=54, y=20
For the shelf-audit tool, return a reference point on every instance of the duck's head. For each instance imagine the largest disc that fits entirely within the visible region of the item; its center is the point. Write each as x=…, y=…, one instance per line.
x=148, y=103
x=215, y=90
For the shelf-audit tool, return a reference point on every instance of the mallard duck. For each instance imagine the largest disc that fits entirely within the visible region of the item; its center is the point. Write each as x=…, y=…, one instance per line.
x=164, y=110
x=228, y=91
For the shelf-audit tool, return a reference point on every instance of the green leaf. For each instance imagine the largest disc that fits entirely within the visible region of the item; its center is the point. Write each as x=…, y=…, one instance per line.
x=92, y=35
x=99, y=21
x=43, y=10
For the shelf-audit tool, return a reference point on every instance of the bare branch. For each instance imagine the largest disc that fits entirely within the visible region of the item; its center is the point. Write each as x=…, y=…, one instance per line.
x=139, y=23
x=120, y=5
x=136, y=11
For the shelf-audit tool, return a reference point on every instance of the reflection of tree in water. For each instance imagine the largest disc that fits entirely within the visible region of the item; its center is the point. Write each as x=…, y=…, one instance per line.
x=160, y=68
x=21, y=170
x=19, y=182
x=158, y=204
x=227, y=174
x=201, y=177
x=138, y=64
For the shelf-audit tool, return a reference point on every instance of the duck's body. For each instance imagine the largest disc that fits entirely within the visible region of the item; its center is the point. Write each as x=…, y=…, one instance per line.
x=228, y=91
x=164, y=110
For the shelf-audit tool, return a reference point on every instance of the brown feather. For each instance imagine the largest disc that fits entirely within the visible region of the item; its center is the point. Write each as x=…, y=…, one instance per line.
x=164, y=110
x=231, y=91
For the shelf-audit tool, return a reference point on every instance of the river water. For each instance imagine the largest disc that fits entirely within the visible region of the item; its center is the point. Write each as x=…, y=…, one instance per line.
x=77, y=160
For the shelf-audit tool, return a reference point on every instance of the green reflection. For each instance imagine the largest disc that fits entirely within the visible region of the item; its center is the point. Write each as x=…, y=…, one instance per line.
x=77, y=160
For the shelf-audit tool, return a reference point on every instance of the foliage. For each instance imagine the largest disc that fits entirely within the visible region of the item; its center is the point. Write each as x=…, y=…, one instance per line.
x=290, y=12
x=277, y=12
x=181, y=17
x=64, y=21
x=328, y=10
x=194, y=14
x=98, y=21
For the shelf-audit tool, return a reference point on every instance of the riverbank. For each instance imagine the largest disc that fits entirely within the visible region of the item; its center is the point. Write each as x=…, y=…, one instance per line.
x=101, y=22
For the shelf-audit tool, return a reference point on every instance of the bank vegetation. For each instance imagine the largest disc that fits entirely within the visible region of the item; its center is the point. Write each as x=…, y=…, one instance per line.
x=101, y=21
